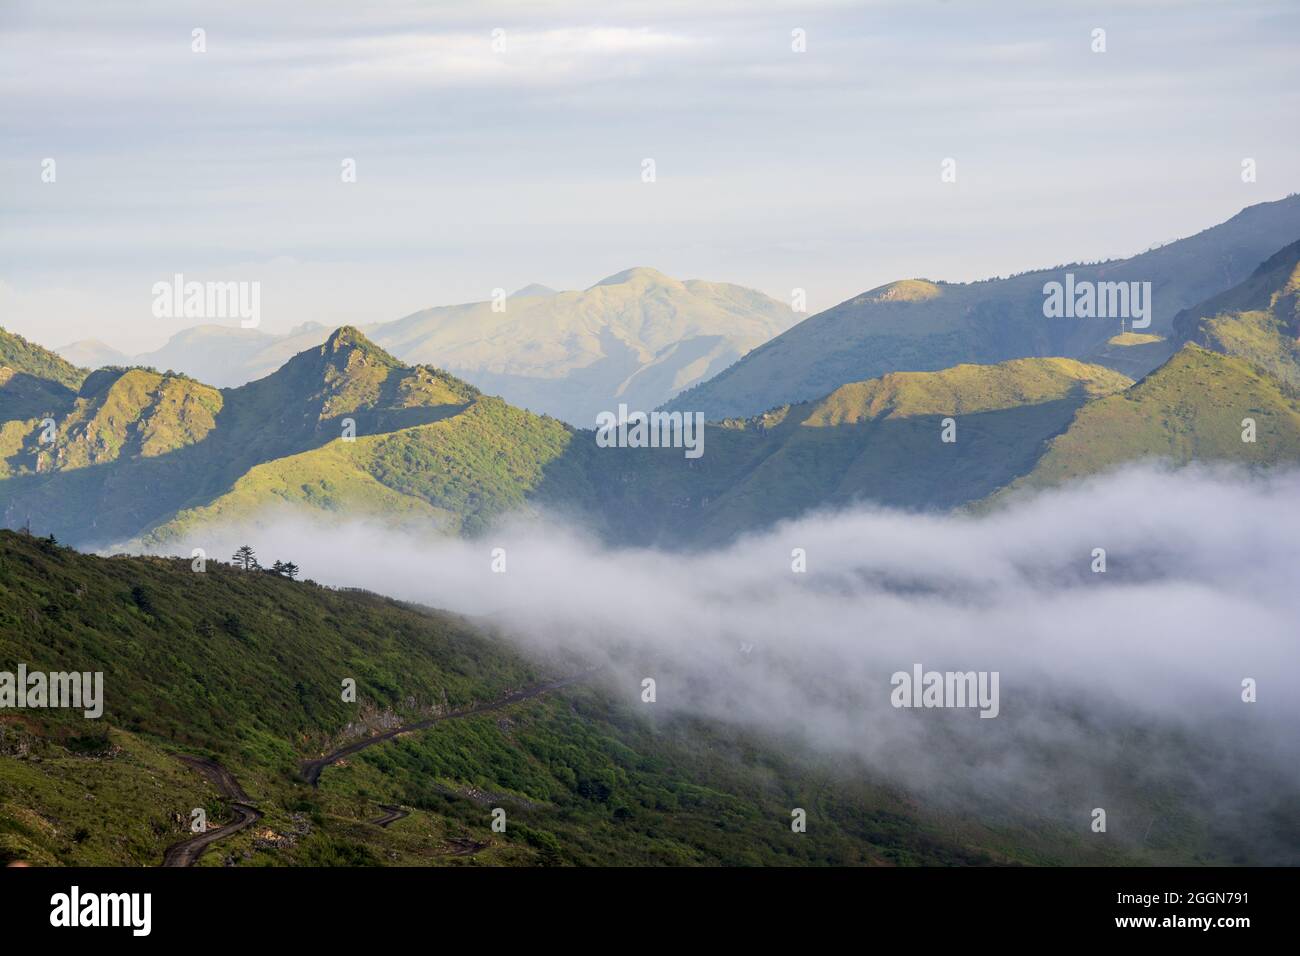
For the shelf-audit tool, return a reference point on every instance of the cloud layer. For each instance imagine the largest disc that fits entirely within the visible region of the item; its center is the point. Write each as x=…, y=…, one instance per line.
x=1120, y=689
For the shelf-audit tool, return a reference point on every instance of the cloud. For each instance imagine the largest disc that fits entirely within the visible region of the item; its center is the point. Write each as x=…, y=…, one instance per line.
x=1119, y=689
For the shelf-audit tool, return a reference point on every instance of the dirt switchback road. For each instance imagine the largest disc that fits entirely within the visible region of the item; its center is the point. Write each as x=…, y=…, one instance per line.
x=188, y=851
x=311, y=769
x=391, y=815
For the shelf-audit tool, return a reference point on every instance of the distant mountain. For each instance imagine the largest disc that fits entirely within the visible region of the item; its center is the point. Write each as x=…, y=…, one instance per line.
x=221, y=355
x=637, y=337
x=92, y=354
x=918, y=325
x=346, y=428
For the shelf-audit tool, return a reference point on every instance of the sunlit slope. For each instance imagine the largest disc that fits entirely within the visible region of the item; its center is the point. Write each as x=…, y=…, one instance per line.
x=1258, y=320
x=918, y=325
x=1191, y=409
x=348, y=431
x=135, y=447
x=871, y=442
x=34, y=382
x=452, y=476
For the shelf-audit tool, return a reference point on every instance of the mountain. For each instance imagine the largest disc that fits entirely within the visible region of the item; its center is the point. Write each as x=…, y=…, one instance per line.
x=221, y=355
x=1258, y=320
x=1239, y=359
x=346, y=428
x=133, y=447
x=1191, y=409
x=871, y=441
x=34, y=381
x=241, y=671
x=92, y=354
x=638, y=337
x=878, y=441
x=919, y=325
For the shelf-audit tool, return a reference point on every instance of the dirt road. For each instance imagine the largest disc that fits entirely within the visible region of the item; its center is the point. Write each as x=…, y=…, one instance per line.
x=392, y=815
x=187, y=852
x=311, y=769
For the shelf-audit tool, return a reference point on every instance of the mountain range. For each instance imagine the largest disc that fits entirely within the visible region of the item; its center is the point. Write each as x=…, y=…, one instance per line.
x=226, y=683
x=347, y=428
x=638, y=337
x=920, y=325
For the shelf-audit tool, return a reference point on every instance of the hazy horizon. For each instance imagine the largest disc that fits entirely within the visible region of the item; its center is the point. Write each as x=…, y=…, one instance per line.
x=479, y=169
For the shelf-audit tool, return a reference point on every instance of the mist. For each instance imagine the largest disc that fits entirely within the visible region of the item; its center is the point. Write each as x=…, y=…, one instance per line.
x=1120, y=688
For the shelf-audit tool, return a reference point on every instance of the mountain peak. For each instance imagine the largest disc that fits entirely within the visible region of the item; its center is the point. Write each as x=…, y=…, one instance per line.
x=349, y=338
x=532, y=289
x=638, y=274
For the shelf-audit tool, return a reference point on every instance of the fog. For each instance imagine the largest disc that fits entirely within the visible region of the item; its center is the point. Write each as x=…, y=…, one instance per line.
x=1120, y=689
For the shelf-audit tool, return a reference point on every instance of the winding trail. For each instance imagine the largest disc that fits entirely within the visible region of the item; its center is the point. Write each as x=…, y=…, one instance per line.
x=311, y=769
x=392, y=816
x=187, y=852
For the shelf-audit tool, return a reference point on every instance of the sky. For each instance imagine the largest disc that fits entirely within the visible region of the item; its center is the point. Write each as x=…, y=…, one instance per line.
x=481, y=167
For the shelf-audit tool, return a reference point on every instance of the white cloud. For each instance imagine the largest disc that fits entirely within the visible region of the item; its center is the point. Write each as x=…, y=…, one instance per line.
x=1200, y=593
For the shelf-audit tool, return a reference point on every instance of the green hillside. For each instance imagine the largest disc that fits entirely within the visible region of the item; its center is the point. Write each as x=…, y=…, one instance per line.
x=141, y=455
x=34, y=382
x=133, y=448
x=454, y=475
x=24, y=357
x=877, y=441
x=246, y=668
x=1240, y=361
x=1190, y=409
x=918, y=325
x=1258, y=320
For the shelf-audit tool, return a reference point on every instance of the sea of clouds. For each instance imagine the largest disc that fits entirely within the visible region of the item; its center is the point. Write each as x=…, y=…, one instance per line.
x=1120, y=690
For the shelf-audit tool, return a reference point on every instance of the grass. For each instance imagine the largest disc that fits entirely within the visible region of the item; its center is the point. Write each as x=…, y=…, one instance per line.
x=246, y=667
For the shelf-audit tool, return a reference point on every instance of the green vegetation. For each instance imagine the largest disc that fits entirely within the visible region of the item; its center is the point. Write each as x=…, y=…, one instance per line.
x=1191, y=409
x=139, y=455
x=24, y=357
x=1127, y=339
x=246, y=667
x=876, y=441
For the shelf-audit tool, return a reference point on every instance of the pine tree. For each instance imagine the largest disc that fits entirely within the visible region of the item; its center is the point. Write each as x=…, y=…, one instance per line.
x=245, y=558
